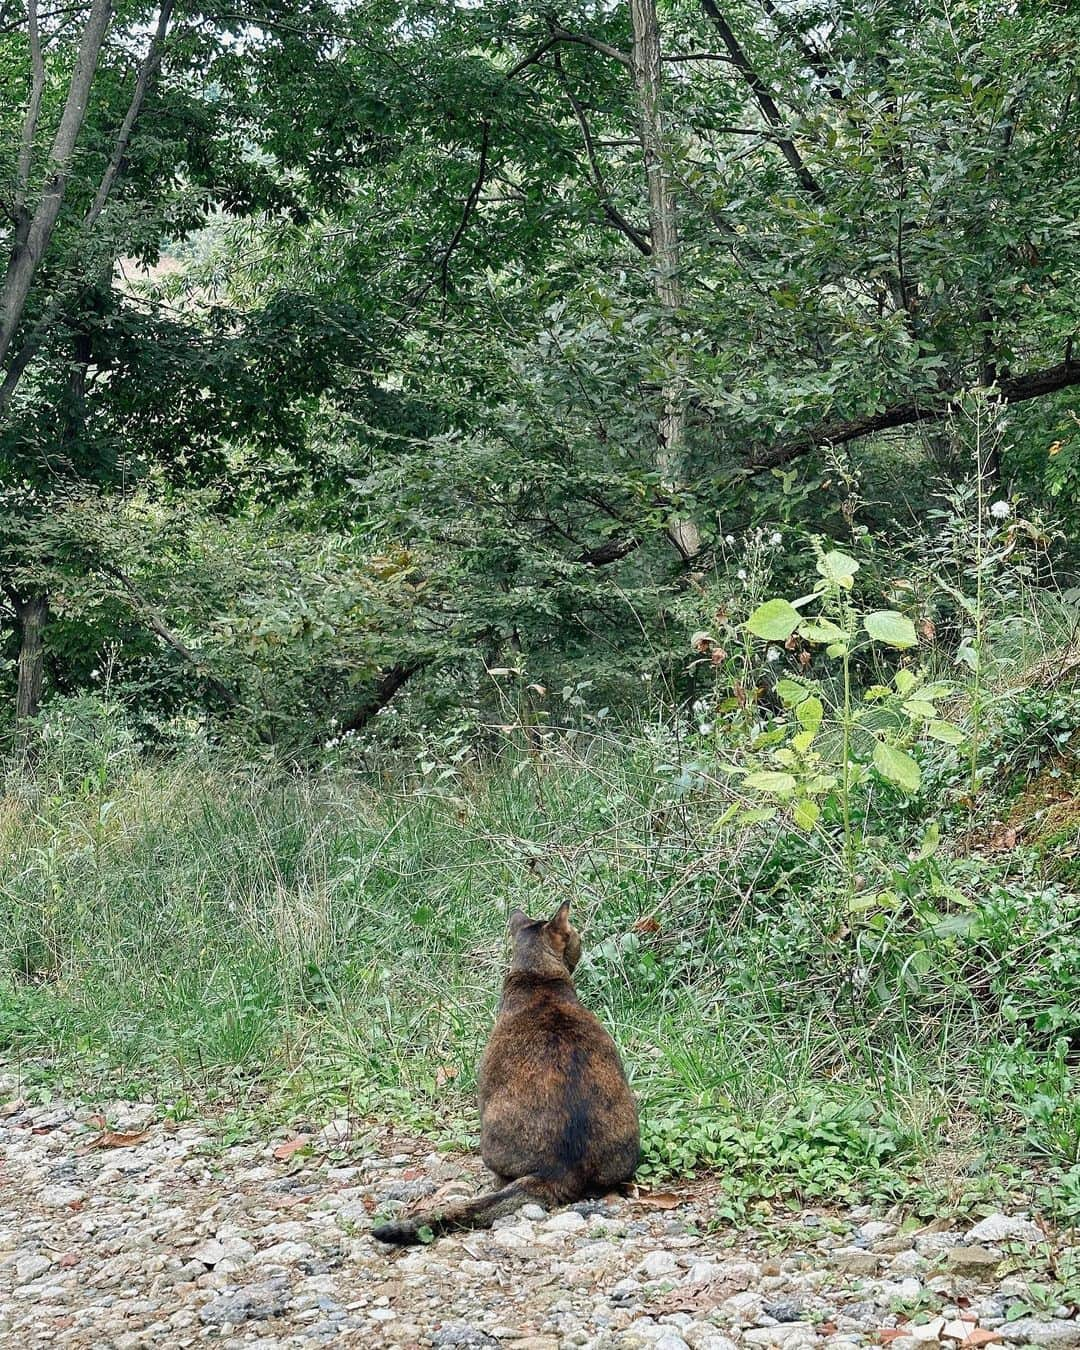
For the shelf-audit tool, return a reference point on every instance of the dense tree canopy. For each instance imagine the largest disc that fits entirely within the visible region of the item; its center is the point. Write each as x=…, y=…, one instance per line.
x=345, y=343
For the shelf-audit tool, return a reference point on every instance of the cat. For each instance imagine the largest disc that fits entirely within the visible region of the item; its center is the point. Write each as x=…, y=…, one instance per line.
x=558, y=1121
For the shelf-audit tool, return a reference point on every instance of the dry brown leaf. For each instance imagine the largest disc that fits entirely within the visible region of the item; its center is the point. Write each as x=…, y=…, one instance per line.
x=690, y=1298
x=285, y=1151
x=646, y=924
x=444, y=1074
x=118, y=1139
x=658, y=1199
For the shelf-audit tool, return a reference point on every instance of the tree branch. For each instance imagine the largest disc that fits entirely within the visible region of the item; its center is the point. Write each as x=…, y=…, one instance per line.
x=148, y=68
x=764, y=100
x=585, y=40
x=1016, y=389
x=384, y=689
x=158, y=626
x=606, y=204
x=33, y=109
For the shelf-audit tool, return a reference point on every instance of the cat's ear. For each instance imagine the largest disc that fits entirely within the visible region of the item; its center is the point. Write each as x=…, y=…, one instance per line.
x=517, y=922
x=559, y=923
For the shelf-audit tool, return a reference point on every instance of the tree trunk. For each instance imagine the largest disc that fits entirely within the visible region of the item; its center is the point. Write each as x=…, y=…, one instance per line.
x=646, y=67
x=32, y=614
x=33, y=232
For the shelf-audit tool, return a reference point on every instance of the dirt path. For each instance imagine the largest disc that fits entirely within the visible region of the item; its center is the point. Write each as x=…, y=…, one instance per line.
x=120, y=1230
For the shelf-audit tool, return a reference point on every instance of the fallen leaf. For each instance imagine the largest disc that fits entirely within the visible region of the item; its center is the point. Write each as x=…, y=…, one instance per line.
x=646, y=924
x=412, y=1174
x=887, y=1334
x=690, y=1298
x=981, y=1336
x=118, y=1139
x=98, y=1121
x=444, y=1074
x=285, y=1151
x=69, y=1259
x=658, y=1199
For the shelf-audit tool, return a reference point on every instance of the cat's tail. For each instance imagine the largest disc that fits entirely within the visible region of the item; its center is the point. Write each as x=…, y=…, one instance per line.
x=479, y=1213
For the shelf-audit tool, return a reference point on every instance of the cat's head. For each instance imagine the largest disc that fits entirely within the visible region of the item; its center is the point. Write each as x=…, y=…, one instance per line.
x=545, y=946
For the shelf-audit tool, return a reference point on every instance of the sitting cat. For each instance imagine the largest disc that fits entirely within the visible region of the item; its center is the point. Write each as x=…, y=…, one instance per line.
x=557, y=1118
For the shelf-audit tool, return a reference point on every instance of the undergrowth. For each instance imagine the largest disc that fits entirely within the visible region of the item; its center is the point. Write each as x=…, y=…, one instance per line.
x=876, y=997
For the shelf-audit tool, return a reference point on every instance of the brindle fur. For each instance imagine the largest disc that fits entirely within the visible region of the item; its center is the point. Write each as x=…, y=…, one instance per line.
x=557, y=1118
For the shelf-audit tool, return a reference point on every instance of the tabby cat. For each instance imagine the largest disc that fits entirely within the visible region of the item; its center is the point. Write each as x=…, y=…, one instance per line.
x=557, y=1118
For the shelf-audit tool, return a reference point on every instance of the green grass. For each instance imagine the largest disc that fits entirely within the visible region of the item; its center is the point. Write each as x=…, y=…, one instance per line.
x=216, y=933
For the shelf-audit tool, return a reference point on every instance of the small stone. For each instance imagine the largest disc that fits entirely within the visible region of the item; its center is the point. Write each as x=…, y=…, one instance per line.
x=711, y=1340
x=890, y=1246
x=209, y=1252
x=568, y=1221
x=1055, y=1334
x=462, y=1334
x=61, y=1197
x=927, y=1332
x=256, y=1303
x=955, y=1330
x=28, y=1268
x=907, y=1263
x=1005, y=1228
x=535, y=1343
x=974, y=1262
x=669, y=1341
x=533, y=1212
x=785, y=1311
x=877, y=1229
x=658, y=1264
x=854, y=1260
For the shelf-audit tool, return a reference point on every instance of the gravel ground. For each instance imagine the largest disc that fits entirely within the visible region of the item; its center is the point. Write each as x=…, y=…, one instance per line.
x=118, y=1229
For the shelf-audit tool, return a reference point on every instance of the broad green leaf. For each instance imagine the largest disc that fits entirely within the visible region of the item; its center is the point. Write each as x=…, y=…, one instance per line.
x=822, y=630
x=917, y=707
x=775, y=620
x=802, y=741
x=905, y=682
x=891, y=627
x=930, y=841
x=791, y=693
x=782, y=784
x=838, y=568
x=862, y=904
x=836, y=649
x=725, y=816
x=810, y=712
x=897, y=766
x=805, y=814
x=946, y=731
x=877, y=691
x=757, y=815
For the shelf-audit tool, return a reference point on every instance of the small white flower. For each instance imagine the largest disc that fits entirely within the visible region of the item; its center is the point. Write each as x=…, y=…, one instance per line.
x=773, y=654
x=1001, y=510
x=704, y=728
x=729, y=539
x=776, y=538
x=741, y=573
x=95, y=674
